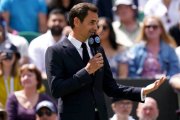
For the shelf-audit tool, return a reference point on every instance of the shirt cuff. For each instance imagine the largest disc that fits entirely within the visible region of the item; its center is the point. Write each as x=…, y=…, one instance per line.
x=142, y=96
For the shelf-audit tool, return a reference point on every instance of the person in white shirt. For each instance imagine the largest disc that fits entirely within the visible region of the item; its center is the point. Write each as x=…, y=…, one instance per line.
x=122, y=109
x=167, y=10
x=20, y=42
x=127, y=27
x=38, y=46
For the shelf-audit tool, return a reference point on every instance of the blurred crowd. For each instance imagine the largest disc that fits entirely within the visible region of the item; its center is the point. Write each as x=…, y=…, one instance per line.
x=141, y=39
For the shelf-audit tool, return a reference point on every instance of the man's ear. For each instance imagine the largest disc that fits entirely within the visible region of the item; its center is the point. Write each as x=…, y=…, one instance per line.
x=77, y=21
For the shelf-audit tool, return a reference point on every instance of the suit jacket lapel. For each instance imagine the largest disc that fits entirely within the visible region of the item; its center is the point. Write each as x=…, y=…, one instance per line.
x=72, y=51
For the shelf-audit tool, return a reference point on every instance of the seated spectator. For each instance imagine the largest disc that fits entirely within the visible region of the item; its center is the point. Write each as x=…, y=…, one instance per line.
x=175, y=82
x=122, y=109
x=9, y=76
x=115, y=53
x=38, y=46
x=46, y=110
x=3, y=113
x=64, y=5
x=175, y=30
x=148, y=110
x=127, y=26
x=21, y=105
x=29, y=15
x=154, y=55
x=167, y=10
x=20, y=42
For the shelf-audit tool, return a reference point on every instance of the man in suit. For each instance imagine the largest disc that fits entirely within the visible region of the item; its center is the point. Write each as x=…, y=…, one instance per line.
x=80, y=82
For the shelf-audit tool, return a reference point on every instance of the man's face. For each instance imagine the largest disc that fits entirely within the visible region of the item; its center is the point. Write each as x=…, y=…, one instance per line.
x=88, y=26
x=46, y=114
x=56, y=23
x=123, y=107
x=148, y=111
x=125, y=12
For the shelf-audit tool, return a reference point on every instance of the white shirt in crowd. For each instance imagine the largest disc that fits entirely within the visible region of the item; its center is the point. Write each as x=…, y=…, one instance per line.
x=20, y=42
x=169, y=16
x=115, y=117
x=38, y=47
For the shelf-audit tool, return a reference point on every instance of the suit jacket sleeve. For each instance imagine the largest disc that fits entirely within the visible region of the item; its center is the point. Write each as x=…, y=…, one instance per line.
x=60, y=86
x=112, y=89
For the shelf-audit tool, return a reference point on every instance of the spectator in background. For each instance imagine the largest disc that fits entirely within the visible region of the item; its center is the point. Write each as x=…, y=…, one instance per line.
x=122, y=109
x=46, y=110
x=115, y=53
x=26, y=15
x=9, y=76
x=175, y=82
x=3, y=113
x=21, y=105
x=154, y=55
x=104, y=8
x=126, y=27
x=64, y=5
x=175, y=30
x=38, y=46
x=167, y=10
x=18, y=41
x=148, y=110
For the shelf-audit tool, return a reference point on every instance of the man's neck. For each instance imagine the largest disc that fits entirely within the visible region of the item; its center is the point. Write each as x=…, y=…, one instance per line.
x=57, y=38
x=130, y=25
x=77, y=36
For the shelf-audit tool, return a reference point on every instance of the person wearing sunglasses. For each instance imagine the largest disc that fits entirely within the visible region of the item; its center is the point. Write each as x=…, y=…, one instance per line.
x=46, y=110
x=116, y=54
x=154, y=55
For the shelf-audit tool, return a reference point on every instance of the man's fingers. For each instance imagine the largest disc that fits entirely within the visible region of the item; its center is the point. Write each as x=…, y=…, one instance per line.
x=161, y=81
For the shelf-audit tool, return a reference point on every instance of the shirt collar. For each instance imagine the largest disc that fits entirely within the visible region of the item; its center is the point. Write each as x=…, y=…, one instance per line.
x=76, y=42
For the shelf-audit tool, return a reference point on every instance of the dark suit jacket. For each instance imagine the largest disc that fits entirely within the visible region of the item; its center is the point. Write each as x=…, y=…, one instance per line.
x=79, y=91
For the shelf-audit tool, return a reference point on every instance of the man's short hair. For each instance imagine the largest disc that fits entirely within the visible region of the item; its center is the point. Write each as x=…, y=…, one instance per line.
x=80, y=11
x=56, y=11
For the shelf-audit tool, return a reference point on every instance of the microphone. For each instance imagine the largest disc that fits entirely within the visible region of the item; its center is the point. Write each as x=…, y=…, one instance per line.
x=94, y=43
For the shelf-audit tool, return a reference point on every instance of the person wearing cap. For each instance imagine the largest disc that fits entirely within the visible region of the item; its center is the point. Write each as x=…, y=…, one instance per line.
x=9, y=76
x=122, y=109
x=3, y=113
x=20, y=42
x=56, y=22
x=46, y=110
x=126, y=26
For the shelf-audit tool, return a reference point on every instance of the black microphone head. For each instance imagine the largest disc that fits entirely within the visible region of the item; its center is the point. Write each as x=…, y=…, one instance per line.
x=94, y=43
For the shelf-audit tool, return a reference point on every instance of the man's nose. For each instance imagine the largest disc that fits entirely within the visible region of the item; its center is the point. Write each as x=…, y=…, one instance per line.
x=57, y=22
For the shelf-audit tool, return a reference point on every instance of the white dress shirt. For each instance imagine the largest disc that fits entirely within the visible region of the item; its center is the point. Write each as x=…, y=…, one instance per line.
x=78, y=44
